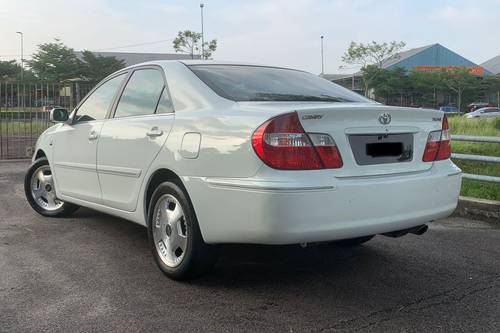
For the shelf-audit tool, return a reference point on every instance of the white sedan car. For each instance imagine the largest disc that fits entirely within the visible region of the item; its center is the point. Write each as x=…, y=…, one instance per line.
x=205, y=153
x=487, y=112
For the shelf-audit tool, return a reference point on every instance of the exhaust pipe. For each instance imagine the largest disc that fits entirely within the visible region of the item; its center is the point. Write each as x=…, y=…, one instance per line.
x=418, y=230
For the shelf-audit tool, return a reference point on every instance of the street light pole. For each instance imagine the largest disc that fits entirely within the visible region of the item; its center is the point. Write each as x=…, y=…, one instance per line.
x=322, y=60
x=22, y=51
x=202, y=33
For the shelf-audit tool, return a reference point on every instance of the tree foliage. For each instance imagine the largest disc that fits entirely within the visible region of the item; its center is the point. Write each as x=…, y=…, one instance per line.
x=189, y=42
x=55, y=62
x=422, y=87
x=95, y=67
x=370, y=57
x=419, y=87
x=371, y=53
x=9, y=69
x=459, y=81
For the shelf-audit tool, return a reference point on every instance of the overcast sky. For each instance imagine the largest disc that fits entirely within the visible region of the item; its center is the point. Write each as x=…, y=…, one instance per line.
x=277, y=32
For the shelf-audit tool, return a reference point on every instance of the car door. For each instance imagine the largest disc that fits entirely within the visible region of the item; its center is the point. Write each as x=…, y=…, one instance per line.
x=75, y=144
x=491, y=113
x=132, y=138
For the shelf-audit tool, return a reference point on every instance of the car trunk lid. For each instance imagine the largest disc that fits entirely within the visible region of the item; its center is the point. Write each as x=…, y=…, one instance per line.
x=374, y=139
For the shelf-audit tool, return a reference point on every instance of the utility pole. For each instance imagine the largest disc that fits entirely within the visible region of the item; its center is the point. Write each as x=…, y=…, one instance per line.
x=22, y=51
x=202, y=33
x=322, y=60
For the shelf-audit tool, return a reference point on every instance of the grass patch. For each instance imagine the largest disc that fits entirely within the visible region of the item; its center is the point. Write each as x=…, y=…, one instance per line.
x=21, y=128
x=479, y=127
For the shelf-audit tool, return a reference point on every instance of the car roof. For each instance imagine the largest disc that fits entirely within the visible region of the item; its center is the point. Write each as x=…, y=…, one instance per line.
x=489, y=107
x=206, y=62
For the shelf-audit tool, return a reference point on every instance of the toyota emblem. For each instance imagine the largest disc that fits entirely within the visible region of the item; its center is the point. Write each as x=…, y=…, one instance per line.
x=384, y=118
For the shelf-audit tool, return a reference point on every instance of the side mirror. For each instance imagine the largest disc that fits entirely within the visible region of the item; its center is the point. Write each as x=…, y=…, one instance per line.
x=59, y=115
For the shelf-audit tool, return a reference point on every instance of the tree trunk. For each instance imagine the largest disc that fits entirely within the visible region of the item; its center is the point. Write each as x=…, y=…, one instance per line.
x=459, y=102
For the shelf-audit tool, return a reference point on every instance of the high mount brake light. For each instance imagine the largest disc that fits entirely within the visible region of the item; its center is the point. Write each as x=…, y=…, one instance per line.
x=282, y=143
x=438, y=145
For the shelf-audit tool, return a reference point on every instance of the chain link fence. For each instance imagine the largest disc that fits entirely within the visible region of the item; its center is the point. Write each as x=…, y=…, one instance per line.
x=24, y=112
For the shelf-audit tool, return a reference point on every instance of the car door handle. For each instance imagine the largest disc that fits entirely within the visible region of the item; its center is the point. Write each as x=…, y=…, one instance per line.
x=93, y=135
x=154, y=132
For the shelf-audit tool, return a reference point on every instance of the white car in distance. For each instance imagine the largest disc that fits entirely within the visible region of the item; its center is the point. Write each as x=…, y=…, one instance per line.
x=487, y=112
x=205, y=153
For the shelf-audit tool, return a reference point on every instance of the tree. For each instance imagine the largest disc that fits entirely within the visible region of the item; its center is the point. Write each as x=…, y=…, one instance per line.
x=459, y=81
x=9, y=69
x=189, y=42
x=55, y=62
x=426, y=85
x=371, y=54
x=97, y=67
x=491, y=86
x=387, y=83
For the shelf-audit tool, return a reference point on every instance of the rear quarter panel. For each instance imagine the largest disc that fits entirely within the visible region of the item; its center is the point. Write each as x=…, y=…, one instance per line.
x=225, y=148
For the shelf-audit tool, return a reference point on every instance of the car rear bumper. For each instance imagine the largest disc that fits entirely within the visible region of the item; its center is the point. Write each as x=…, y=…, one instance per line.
x=256, y=211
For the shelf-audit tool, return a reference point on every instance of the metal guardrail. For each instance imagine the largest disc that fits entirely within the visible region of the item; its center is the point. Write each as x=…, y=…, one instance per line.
x=477, y=158
x=491, y=139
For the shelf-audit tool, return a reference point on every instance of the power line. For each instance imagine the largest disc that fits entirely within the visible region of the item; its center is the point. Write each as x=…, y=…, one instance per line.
x=135, y=45
x=103, y=49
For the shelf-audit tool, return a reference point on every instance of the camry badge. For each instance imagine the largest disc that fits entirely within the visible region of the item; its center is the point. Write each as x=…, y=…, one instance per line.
x=384, y=118
x=312, y=116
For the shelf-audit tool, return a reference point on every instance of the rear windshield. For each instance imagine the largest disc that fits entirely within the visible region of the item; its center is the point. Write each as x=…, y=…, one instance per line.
x=257, y=83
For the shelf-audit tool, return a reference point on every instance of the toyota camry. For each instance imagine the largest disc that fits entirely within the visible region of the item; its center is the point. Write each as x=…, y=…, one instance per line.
x=204, y=153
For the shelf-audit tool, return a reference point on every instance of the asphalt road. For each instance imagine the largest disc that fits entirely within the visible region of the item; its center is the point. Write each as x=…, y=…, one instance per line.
x=93, y=272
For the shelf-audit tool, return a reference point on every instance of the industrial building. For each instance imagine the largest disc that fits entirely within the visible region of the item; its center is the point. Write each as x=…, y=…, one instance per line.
x=434, y=57
x=492, y=65
x=426, y=58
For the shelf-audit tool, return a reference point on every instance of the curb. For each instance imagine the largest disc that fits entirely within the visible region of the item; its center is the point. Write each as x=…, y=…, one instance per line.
x=478, y=209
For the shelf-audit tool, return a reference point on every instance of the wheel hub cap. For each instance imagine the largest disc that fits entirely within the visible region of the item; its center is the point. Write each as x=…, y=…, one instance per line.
x=169, y=230
x=42, y=189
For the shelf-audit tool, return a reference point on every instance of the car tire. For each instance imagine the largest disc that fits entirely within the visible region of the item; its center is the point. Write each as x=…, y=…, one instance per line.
x=41, y=193
x=353, y=241
x=174, y=235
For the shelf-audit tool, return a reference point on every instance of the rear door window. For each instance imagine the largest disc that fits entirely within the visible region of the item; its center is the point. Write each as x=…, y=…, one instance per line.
x=141, y=94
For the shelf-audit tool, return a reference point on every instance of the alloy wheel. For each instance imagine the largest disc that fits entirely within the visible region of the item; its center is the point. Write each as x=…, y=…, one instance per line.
x=170, y=232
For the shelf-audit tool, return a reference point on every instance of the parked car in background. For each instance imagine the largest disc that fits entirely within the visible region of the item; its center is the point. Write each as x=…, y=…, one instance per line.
x=489, y=112
x=47, y=108
x=205, y=153
x=449, y=109
x=478, y=105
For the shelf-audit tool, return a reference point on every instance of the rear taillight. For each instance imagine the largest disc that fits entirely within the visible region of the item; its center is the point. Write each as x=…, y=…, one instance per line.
x=282, y=143
x=438, y=144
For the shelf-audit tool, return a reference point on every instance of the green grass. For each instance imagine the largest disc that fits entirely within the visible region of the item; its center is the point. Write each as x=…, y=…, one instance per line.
x=479, y=127
x=17, y=128
x=20, y=109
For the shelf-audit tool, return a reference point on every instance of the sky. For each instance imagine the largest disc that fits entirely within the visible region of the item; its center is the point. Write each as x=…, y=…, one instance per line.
x=276, y=32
